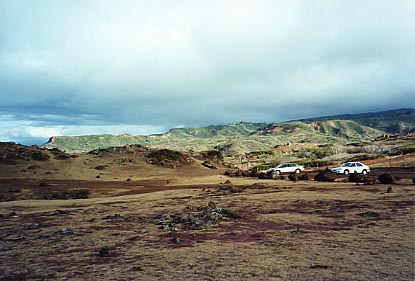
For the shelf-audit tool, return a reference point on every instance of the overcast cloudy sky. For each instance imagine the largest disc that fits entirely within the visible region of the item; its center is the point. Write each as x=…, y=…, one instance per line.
x=73, y=67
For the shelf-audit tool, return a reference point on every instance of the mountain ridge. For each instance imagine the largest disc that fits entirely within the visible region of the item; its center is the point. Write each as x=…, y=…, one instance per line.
x=256, y=136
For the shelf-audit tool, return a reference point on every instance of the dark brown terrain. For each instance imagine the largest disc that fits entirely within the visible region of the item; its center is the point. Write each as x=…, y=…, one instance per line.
x=119, y=214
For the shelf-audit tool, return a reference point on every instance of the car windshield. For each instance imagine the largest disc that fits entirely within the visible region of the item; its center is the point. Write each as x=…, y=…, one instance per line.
x=345, y=165
x=281, y=166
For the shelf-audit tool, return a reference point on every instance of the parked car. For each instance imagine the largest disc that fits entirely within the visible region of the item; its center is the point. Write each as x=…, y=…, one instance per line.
x=286, y=168
x=352, y=167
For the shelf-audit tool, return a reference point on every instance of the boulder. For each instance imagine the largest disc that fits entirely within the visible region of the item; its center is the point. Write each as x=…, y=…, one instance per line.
x=325, y=175
x=386, y=178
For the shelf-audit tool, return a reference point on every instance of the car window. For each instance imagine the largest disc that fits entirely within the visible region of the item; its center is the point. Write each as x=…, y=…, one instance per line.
x=353, y=165
x=359, y=165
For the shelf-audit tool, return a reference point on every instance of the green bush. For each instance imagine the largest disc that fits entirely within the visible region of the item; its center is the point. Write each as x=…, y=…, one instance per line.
x=168, y=158
x=212, y=155
x=315, y=163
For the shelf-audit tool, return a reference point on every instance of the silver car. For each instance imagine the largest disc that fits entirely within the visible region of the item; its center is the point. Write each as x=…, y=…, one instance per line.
x=286, y=168
x=352, y=167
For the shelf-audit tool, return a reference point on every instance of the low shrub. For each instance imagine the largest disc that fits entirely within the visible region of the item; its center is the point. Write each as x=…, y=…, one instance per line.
x=39, y=156
x=214, y=155
x=60, y=155
x=168, y=158
x=67, y=194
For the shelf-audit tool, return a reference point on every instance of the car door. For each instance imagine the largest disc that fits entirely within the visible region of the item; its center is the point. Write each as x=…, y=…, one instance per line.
x=353, y=168
x=359, y=168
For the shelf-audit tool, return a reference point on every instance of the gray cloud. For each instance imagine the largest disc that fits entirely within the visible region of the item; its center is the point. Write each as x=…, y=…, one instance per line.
x=150, y=66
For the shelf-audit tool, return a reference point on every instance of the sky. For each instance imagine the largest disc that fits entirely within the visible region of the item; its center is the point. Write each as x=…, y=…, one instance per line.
x=78, y=67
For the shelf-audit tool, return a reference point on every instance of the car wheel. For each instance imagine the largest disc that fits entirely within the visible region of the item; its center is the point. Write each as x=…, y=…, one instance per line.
x=297, y=171
x=346, y=172
x=364, y=172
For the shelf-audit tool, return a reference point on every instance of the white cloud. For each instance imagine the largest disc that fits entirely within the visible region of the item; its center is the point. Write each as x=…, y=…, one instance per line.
x=161, y=63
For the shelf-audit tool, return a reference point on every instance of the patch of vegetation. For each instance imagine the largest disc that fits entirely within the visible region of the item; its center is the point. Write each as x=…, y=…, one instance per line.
x=67, y=194
x=407, y=149
x=213, y=155
x=168, y=158
x=262, y=153
x=315, y=163
x=243, y=138
x=362, y=157
x=39, y=156
x=61, y=155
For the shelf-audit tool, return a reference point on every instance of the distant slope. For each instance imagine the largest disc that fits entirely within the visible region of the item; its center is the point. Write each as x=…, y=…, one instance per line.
x=390, y=121
x=212, y=131
x=246, y=137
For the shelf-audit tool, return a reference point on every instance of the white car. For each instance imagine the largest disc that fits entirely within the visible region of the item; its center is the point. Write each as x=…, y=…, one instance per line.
x=286, y=168
x=352, y=167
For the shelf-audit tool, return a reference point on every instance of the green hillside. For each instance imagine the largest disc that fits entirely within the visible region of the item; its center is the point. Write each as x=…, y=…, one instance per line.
x=247, y=137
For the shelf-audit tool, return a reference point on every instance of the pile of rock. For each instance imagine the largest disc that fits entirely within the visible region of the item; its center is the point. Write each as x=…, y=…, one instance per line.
x=193, y=217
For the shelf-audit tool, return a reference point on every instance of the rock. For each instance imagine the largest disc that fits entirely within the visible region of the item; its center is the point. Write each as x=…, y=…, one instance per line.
x=263, y=176
x=192, y=208
x=43, y=183
x=303, y=177
x=325, y=175
x=212, y=205
x=298, y=231
x=208, y=165
x=66, y=231
x=101, y=167
x=231, y=214
x=369, y=214
x=104, y=251
x=386, y=178
x=389, y=190
x=293, y=177
x=113, y=217
x=215, y=215
x=176, y=240
x=355, y=177
x=272, y=174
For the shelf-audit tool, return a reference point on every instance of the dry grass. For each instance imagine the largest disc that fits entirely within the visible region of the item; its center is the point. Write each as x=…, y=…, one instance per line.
x=275, y=229
x=287, y=231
